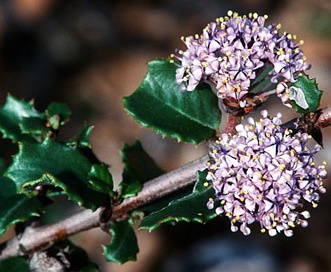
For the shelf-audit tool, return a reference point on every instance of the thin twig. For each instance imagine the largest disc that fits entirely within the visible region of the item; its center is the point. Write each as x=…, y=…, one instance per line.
x=40, y=237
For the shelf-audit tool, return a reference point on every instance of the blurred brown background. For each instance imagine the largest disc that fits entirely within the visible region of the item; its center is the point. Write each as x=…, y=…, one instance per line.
x=89, y=54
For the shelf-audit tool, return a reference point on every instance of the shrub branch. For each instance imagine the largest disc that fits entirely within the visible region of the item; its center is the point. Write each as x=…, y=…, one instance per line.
x=37, y=238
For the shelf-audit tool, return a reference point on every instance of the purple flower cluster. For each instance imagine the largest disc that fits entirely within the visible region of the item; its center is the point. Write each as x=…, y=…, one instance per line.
x=265, y=173
x=237, y=55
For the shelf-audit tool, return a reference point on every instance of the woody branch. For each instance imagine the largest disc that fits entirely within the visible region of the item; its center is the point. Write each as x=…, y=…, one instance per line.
x=36, y=238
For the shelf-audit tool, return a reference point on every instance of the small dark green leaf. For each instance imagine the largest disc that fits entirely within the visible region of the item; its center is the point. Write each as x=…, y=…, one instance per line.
x=312, y=94
x=7, y=186
x=83, y=138
x=160, y=105
x=191, y=208
x=17, y=208
x=11, y=116
x=57, y=114
x=138, y=164
x=33, y=125
x=158, y=204
x=129, y=189
x=100, y=179
x=14, y=264
x=139, y=167
x=56, y=164
x=123, y=246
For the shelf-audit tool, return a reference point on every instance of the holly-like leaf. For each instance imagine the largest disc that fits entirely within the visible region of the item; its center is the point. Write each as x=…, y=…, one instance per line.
x=17, y=208
x=7, y=186
x=12, y=115
x=56, y=164
x=131, y=189
x=191, y=208
x=14, y=208
x=138, y=164
x=100, y=179
x=20, y=121
x=57, y=114
x=160, y=105
x=305, y=95
x=83, y=138
x=14, y=264
x=33, y=126
x=123, y=246
x=162, y=202
x=139, y=167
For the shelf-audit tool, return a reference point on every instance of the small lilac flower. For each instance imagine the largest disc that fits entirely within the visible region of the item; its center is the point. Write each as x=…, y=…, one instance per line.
x=237, y=55
x=265, y=173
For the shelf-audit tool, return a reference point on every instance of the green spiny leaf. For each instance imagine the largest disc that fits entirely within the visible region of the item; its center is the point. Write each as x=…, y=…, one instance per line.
x=83, y=138
x=12, y=115
x=100, y=179
x=129, y=189
x=139, y=167
x=7, y=186
x=312, y=95
x=158, y=104
x=159, y=204
x=14, y=208
x=57, y=114
x=17, y=208
x=33, y=125
x=191, y=208
x=123, y=246
x=56, y=164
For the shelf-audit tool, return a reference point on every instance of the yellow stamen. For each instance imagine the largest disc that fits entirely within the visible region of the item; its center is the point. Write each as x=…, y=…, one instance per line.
x=230, y=13
x=291, y=224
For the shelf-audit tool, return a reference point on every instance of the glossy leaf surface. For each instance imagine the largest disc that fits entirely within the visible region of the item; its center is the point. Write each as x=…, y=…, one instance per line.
x=54, y=163
x=14, y=114
x=190, y=208
x=100, y=179
x=139, y=167
x=160, y=105
x=57, y=114
x=15, y=208
x=123, y=246
x=312, y=95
